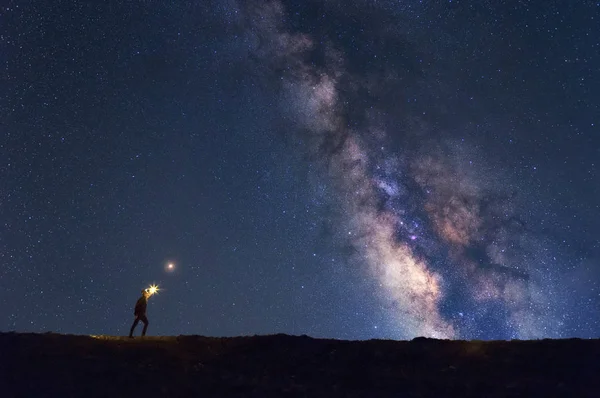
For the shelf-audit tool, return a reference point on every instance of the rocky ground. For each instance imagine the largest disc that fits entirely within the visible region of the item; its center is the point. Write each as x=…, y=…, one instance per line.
x=53, y=365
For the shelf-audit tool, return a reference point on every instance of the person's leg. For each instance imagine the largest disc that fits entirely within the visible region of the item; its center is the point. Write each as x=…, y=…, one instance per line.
x=145, y=320
x=135, y=322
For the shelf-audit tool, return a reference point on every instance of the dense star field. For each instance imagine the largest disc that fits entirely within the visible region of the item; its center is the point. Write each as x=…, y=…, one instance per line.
x=354, y=170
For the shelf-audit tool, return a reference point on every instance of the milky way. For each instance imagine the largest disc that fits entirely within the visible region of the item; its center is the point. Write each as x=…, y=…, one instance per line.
x=488, y=256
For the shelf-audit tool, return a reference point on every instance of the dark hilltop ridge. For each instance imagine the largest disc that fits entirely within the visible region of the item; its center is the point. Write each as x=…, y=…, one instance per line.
x=54, y=365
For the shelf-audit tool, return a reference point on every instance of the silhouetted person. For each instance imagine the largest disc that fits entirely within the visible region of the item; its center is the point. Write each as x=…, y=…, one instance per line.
x=140, y=313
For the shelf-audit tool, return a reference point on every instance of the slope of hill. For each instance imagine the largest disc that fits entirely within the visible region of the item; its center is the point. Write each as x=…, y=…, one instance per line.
x=53, y=365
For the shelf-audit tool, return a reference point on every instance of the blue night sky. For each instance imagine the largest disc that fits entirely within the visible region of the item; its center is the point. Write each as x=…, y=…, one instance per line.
x=354, y=170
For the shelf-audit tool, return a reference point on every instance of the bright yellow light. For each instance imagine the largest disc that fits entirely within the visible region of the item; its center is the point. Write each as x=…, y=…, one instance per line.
x=153, y=289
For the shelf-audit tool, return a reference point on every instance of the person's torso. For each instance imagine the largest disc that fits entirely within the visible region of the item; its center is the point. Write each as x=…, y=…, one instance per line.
x=140, y=306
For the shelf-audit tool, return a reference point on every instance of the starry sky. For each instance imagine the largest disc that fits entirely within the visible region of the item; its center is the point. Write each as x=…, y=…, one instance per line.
x=354, y=170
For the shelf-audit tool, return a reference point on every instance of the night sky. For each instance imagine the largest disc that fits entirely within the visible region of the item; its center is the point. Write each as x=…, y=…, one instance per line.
x=354, y=170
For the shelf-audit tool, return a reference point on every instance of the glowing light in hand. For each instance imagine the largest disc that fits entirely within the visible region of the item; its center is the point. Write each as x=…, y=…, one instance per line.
x=152, y=289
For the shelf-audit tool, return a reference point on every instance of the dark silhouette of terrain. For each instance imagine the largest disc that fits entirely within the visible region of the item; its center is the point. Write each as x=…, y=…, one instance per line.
x=53, y=365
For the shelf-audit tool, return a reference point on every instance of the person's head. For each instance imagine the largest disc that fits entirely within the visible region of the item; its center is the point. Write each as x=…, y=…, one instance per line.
x=145, y=293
